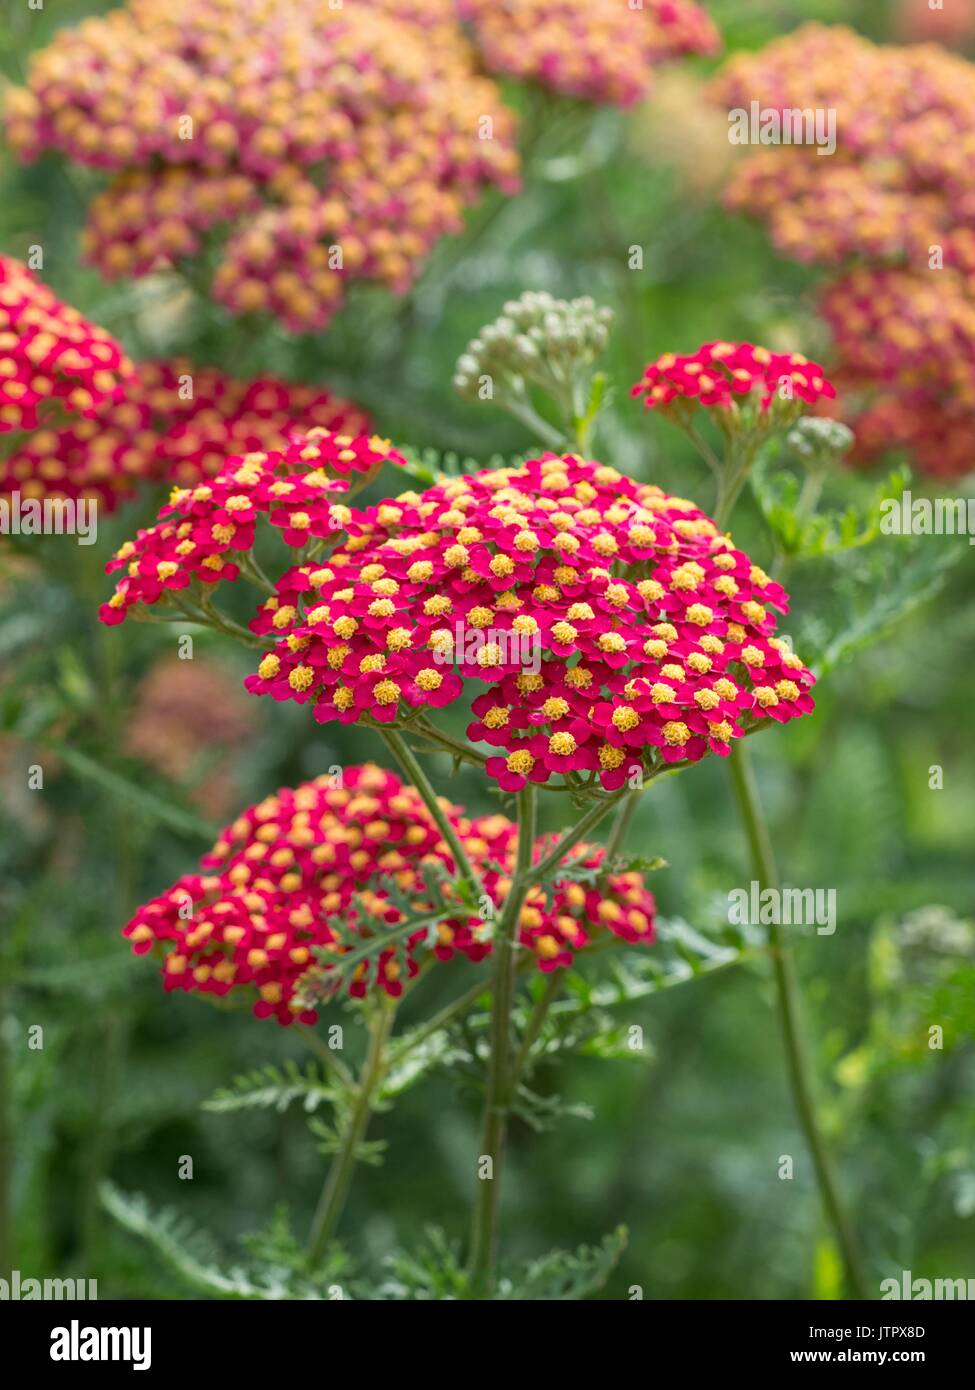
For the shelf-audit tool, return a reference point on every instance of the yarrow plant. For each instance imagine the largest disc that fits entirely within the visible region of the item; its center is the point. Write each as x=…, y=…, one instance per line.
x=206, y=534
x=296, y=148
x=54, y=365
x=347, y=887
x=83, y=420
x=604, y=632
x=750, y=393
x=889, y=215
x=653, y=633
x=596, y=52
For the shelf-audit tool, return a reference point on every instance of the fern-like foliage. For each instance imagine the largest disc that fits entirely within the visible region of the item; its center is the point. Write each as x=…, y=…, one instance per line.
x=275, y=1088
x=360, y=937
x=566, y=1275
x=435, y=1271
x=272, y=1271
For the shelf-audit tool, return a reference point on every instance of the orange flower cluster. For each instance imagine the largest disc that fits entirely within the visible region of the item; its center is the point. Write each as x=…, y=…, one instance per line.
x=893, y=209
x=591, y=49
x=312, y=872
x=328, y=142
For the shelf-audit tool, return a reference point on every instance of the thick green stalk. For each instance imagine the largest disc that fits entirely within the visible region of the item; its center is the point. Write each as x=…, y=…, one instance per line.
x=787, y=992
x=410, y=764
x=497, y=1091
x=332, y=1201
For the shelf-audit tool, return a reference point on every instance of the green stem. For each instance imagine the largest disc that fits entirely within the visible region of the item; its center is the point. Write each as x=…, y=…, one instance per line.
x=336, y=1189
x=621, y=824
x=731, y=480
x=497, y=1092
x=526, y=414
x=410, y=764
x=569, y=839
x=534, y=1025
x=787, y=991
x=809, y=495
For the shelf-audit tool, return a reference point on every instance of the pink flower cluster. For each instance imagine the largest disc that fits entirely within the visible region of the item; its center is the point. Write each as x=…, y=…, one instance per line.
x=719, y=372
x=51, y=358
x=202, y=528
x=589, y=49
x=328, y=142
x=614, y=628
x=312, y=868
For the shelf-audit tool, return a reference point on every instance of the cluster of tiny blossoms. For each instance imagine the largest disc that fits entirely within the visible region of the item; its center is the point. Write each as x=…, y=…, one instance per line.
x=175, y=423
x=202, y=417
x=204, y=531
x=53, y=363
x=893, y=210
x=615, y=629
x=308, y=873
x=599, y=52
x=330, y=142
x=719, y=372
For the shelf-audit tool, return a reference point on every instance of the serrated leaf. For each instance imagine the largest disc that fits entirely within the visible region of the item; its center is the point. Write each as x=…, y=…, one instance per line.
x=273, y=1088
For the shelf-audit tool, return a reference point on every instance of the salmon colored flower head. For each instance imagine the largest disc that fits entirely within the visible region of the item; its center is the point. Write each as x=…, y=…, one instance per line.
x=889, y=214
x=606, y=628
x=307, y=144
x=305, y=877
x=591, y=49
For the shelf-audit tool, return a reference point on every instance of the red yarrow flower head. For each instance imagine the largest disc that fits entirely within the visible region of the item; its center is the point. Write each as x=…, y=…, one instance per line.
x=179, y=423
x=605, y=627
x=202, y=529
x=57, y=369
x=304, y=877
x=723, y=374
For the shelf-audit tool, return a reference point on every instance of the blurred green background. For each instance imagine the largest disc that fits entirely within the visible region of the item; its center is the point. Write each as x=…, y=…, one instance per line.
x=684, y=1145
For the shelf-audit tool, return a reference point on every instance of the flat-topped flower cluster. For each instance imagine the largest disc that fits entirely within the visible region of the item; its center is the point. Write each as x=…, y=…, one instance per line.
x=202, y=529
x=891, y=213
x=86, y=421
x=51, y=356
x=328, y=142
x=312, y=867
x=719, y=372
x=600, y=52
x=655, y=636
